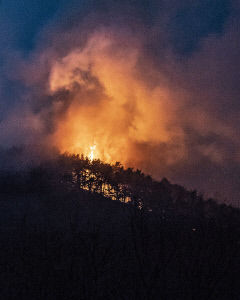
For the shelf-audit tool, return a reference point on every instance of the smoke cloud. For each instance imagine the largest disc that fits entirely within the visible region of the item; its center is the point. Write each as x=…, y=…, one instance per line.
x=152, y=84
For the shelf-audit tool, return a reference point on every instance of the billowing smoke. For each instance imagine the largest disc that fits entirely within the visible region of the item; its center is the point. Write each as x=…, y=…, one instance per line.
x=149, y=84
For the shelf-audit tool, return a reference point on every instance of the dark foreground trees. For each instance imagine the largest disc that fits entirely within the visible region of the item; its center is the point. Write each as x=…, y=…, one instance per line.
x=62, y=236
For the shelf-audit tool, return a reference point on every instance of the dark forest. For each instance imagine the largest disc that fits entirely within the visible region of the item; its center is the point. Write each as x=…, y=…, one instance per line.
x=72, y=228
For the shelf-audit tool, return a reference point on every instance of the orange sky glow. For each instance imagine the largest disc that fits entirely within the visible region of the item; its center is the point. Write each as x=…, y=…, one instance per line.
x=111, y=107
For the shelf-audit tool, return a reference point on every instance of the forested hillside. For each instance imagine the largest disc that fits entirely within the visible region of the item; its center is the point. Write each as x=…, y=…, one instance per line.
x=72, y=228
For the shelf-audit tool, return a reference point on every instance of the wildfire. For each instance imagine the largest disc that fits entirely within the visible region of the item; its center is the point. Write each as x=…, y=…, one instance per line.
x=108, y=100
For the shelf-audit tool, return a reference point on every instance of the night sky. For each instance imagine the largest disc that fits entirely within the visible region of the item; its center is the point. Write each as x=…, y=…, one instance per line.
x=155, y=84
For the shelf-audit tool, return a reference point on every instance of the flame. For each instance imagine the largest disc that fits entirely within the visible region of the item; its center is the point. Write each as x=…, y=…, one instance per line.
x=92, y=154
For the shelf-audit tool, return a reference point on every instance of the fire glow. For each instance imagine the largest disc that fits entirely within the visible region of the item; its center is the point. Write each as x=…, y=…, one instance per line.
x=109, y=103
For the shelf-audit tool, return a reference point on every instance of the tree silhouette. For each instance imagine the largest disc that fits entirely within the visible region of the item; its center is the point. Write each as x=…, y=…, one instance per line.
x=79, y=229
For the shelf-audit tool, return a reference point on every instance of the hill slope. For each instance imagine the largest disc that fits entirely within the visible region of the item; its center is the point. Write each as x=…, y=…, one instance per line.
x=63, y=236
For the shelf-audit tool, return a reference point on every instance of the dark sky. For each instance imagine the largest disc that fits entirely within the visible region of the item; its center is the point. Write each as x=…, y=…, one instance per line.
x=189, y=47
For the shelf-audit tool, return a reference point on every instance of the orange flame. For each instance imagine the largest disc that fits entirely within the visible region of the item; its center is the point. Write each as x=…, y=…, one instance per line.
x=92, y=154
